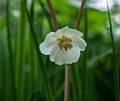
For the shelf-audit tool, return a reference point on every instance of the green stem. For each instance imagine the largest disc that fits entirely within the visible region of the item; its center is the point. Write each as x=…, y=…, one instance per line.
x=12, y=69
x=83, y=77
x=76, y=84
x=20, y=56
x=32, y=60
x=43, y=71
x=116, y=69
x=47, y=14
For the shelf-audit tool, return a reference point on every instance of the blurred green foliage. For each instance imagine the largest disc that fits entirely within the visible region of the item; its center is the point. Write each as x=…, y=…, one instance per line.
x=35, y=77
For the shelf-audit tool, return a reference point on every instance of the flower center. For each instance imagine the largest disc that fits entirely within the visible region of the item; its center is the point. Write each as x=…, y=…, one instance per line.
x=64, y=42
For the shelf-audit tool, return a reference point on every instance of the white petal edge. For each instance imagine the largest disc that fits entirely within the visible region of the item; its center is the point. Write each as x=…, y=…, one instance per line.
x=50, y=39
x=51, y=34
x=45, y=50
x=71, y=56
x=62, y=31
x=56, y=55
x=79, y=43
x=68, y=32
x=64, y=57
x=46, y=46
x=73, y=32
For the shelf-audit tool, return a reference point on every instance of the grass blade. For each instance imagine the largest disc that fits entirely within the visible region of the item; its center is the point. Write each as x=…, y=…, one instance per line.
x=84, y=67
x=76, y=84
x=46, y=83
x=80, y=87
x=20, y=56
x=47, y=14
x=2, y=69
x=11, y=66
x=116, y=69
x=32, y=61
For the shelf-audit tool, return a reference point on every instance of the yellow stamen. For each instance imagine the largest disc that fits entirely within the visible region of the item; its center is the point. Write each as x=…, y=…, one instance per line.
x=64, y=42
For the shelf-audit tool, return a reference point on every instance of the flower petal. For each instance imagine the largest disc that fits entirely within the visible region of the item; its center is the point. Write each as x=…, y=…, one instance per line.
x=64, y=57
x=46, y=46
x=62, y=31
x=50, y=39
x=68, y=32
x=71, y=56
x=73, y=32
x=79, y=43
x=45, y=50
x=56, y=55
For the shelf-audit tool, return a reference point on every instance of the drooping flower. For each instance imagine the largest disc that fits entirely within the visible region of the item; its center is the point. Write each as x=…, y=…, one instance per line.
x=63, y=46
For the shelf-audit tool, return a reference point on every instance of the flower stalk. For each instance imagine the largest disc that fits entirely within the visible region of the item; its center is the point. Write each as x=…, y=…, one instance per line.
x=80, y=14
x=55, y=23
x=67, y=83
x=65, y=43
x=67, y=67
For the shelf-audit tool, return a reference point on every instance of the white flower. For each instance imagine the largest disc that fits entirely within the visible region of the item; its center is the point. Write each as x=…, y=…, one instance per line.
x=63, y=46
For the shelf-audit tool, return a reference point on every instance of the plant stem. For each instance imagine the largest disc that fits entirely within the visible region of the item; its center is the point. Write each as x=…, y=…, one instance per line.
x=84, y=67
x=46, y=82
x=67, y=67
x=116, y=69
x=67, y=83
x=80, y=14
x=83, y=75
x=20, y=54
x=47, y=14
x=8, y=34
x=10, y=48
x=55, y=23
